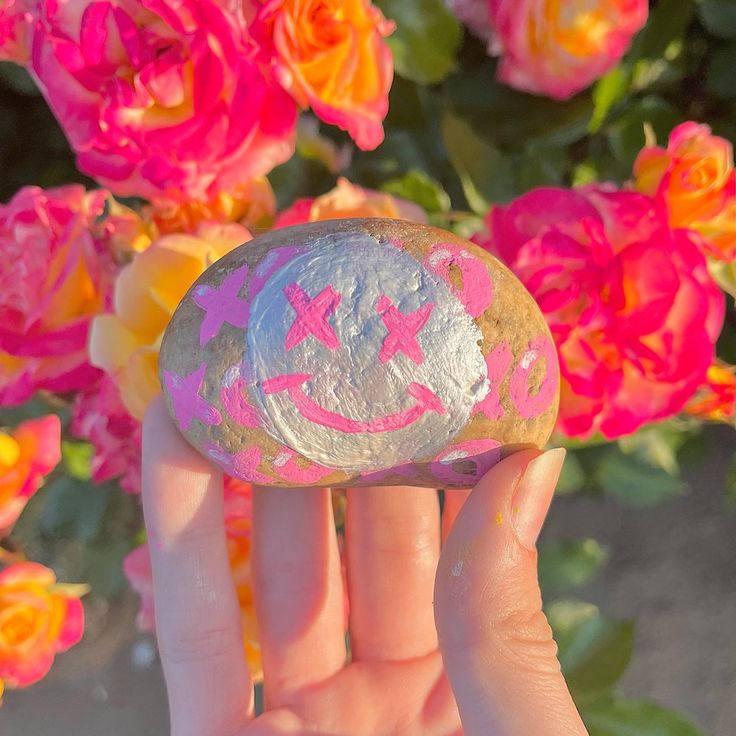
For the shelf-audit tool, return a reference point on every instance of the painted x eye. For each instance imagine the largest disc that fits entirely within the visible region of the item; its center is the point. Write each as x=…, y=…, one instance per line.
x=402, y=330
x=312, y=316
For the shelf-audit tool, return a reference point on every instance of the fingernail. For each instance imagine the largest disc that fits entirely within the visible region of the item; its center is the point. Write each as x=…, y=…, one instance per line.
x=533, y=495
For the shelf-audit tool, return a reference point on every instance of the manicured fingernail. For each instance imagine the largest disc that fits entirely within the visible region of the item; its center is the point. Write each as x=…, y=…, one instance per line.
x=533, y=495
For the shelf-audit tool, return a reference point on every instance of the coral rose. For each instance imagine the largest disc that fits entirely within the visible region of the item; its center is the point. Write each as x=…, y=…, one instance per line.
x=695, y=181
x=630, y=303
x=38, y=618
x=98, y=416
x=349, y=200
x=716, y=398
x=330, y=55
x=54, y=277
x=125, y=343
x=161, y=98
x=27, y=454
x=557, y=48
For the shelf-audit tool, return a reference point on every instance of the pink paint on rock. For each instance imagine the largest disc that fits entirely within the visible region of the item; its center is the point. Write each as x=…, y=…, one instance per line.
x=243, y=464
x=402, y=330
x=312, y=315
x=234, y=400
x=222, y=304
x=269, y=265
x=483, y=454
x=426, y=401
x=186, y=401
x=530, y=406
x=498, y=362
x=287, y=467
x=476, y=292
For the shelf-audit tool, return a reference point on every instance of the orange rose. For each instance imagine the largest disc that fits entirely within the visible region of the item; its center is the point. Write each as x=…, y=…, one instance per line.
x=38, y=618
x=148, y=290
x=330, y=54
x=694, y=179
x=350, y=200
x=26, y=456
x=716, y=398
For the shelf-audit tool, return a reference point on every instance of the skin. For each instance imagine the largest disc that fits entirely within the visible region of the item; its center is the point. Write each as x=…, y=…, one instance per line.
x=446, y=628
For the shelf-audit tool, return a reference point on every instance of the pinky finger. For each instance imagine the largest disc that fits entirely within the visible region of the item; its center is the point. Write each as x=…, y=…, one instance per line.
x=197, y=614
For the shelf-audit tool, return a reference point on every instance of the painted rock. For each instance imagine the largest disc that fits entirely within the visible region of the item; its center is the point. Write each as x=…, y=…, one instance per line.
x=358, y=352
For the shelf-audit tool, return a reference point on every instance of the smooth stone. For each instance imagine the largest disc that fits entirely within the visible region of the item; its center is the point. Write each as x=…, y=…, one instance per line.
x=359, y=352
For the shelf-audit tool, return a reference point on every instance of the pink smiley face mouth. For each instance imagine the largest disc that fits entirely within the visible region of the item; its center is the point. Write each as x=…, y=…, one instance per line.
x=425, y=401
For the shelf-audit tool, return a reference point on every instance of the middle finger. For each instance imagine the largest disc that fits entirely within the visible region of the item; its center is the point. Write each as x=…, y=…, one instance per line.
x=393, y=545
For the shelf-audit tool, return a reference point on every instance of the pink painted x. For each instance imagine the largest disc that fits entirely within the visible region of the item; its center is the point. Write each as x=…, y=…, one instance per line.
x=402, y=330
x=312, y=316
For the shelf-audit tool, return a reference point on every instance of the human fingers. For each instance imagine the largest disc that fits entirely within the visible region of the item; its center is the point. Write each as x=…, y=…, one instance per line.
x=495, y=640
x=393, y=544
x=197, y=614
x=297, y=589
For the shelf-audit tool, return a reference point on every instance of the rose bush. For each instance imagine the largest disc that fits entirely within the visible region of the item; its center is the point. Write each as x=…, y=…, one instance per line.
x=183, y=106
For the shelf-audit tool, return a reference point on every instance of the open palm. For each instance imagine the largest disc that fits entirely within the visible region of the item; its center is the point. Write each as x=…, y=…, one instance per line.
x=494, y=664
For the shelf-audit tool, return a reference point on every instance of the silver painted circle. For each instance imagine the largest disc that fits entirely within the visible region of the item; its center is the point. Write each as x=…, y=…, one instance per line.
x=349, y=380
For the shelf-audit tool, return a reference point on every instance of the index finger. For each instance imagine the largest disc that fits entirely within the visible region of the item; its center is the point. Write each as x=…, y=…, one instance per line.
x=197, y=614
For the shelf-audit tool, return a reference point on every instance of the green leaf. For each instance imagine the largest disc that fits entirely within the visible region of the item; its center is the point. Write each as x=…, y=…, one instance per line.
x=486, y=176
x=77, y=458
x=668, y=20
x=74, y=509
x=18, y=79
x=626, y=133
x=634, y=482
x=572, y=478
x=426, y=40
x=569, y=564
x=720, y=77
x=417, y=187
x=719, y=17
x=608, y=90
x=593, y=651
x=513, y=119
x=619, y=717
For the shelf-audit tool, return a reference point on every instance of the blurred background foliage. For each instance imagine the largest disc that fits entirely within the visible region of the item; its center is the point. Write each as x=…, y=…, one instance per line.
x=456, y=141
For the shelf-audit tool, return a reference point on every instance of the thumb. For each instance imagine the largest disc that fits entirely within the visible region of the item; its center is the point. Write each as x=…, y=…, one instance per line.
x=496, y=644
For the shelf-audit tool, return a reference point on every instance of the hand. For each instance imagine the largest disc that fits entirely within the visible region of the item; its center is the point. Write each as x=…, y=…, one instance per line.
x=494, y=660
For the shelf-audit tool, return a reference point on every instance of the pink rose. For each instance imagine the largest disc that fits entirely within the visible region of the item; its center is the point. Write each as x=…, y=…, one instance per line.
x=161, y=98
x=55, y=277
x=100, y=417
x=558, y=48
x=629, y=301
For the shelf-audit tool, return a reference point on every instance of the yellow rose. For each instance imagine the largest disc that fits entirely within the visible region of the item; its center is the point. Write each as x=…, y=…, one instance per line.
x=148, y=290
